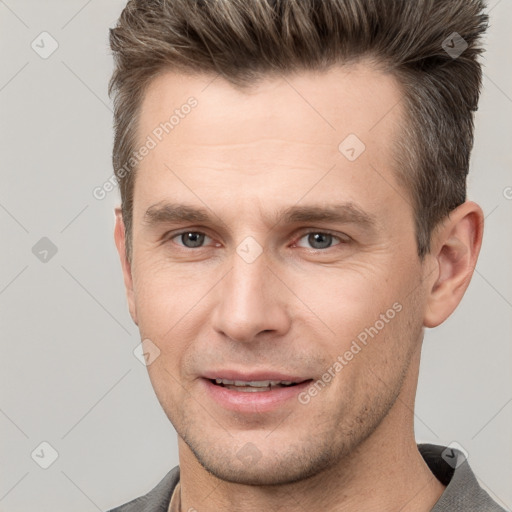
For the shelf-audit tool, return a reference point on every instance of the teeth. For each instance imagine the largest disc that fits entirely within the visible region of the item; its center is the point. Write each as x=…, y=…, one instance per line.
x=254, y=383
x=248, y=389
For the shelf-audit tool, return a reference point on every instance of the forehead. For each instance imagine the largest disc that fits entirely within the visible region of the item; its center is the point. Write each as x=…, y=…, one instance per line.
x=355, y=98
x=280, y=136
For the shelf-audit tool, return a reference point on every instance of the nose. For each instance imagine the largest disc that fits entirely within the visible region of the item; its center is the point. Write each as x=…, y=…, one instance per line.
x=251, y=301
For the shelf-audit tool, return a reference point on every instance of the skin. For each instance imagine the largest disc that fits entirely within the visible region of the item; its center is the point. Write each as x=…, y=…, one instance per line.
x=299, y=305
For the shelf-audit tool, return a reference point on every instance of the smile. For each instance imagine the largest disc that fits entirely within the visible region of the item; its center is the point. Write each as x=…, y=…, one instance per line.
x=253, y=386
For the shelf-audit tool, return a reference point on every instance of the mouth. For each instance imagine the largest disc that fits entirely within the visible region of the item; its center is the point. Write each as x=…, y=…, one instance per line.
x=255, y=386
x=253, y=393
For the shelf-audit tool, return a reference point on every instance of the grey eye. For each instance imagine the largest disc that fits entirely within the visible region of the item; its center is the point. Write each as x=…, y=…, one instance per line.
x=192, y=239
x=319, y=240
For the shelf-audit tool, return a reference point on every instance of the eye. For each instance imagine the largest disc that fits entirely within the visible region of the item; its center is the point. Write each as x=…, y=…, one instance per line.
x=318, y=240
x=190, y=239
x=321, y=240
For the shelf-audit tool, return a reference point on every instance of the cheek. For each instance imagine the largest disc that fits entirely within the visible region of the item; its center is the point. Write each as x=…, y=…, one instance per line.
x=372, y=364
x=163, y=294
x=347, y=300
x=171, y=308
x=373, y=319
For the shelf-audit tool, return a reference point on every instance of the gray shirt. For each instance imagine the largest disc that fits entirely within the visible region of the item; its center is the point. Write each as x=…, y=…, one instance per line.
x=462, y=494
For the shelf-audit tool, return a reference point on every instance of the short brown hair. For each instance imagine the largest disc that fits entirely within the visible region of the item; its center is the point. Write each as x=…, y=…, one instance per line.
x=245, y=40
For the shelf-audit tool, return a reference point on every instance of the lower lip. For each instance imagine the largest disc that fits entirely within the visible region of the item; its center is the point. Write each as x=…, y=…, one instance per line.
x=253, y=401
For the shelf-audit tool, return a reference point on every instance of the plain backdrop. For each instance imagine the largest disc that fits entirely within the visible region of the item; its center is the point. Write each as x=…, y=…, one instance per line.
x=69, y=377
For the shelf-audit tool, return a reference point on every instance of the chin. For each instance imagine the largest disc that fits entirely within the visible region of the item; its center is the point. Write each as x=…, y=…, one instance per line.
x=258, y=466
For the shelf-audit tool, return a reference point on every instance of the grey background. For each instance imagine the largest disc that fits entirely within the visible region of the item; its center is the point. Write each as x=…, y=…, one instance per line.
x=68, y=373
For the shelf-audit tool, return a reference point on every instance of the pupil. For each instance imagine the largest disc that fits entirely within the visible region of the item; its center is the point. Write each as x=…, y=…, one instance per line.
x=324, y=239
x=195, y=239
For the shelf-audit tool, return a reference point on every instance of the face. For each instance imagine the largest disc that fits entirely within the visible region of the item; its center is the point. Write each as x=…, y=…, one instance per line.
x=272, y=241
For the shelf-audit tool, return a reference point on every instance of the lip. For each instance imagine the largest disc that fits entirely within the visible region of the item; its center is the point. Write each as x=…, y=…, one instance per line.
x=252, y=376
x=253, y=402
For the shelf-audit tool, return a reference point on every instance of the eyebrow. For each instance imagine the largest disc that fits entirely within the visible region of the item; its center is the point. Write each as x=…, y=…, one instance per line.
x=344, y=213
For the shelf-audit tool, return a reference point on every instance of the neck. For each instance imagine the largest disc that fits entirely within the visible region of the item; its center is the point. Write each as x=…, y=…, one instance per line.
x=385, y=473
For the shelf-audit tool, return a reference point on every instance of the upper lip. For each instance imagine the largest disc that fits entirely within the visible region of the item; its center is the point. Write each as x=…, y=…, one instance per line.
x=252, y=376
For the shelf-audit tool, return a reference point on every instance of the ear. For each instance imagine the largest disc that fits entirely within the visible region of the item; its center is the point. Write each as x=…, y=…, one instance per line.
x=455, y=247
x=120, y=240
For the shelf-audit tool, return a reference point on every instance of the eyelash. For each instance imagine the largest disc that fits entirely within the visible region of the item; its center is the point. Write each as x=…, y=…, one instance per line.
x=300, y=236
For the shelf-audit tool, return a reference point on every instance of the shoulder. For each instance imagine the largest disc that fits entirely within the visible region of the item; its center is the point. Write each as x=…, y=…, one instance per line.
x=156, y=500
x=463, y=492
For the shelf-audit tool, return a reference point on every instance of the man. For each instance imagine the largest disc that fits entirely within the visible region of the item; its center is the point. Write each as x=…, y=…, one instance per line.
x=293, y=216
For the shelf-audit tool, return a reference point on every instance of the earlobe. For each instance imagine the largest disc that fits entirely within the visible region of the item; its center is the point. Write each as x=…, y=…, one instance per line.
x=120, y=241
x=455, y=248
